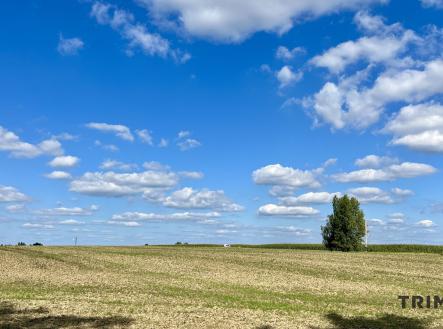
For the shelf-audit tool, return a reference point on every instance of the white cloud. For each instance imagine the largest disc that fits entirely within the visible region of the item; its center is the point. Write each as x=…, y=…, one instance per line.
x=15, y=208
x=419, y=127
x=286, y=76
x=64, y=211
x=11, y=194
x=201, y=199
x=234, y=21
x=128, y=224
x=375, y=222
x=191, y=174
x=180, y=216
x=71, y=222
x=396, y=221
x=65, y=137
x=426, y=223
x=38, y=226
x=310, y=197
x=284, y=211
x=285, y=54
x=163, y=143
x=107, y=147
x=114, y=164
x=276, y=174
x=135, y=33
x=401, y=192
x=120, y=131
x=10, y=142
x=397, y=215
x=347, y=104
x=371, y=195
x=183, y=134
x=122, y=184
x=432, y=3
x=370, y=23
x=188, y=144
x=69, y=46
x=64, y=161
x=375, y=161
x=57, y=174
x=154, y=165
x=392, y=172
x=292, y=230
x=184, y=143
x=145, y=136
x=372, y=49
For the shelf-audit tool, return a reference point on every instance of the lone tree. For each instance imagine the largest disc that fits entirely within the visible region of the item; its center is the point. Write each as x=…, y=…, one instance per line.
x=345, y=228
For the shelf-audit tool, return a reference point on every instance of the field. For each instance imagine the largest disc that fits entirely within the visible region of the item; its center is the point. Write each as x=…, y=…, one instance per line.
x=213, y=287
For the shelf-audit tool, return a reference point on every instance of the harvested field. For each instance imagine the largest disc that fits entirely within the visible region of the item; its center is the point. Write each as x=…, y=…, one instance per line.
x=212, y=287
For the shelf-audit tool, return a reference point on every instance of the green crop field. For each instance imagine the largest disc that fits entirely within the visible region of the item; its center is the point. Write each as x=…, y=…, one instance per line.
x=213, y=287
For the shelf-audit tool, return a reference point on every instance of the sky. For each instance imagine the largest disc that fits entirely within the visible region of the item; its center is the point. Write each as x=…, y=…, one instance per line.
x=157, y=121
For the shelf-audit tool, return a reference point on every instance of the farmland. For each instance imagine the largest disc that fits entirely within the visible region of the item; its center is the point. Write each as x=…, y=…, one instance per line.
x=213, y=287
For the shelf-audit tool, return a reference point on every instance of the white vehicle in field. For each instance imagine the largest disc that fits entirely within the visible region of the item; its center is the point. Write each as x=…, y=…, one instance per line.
x=226, y=245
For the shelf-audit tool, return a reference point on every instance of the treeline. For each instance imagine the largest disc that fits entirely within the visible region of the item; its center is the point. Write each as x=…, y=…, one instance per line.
x=371, y=248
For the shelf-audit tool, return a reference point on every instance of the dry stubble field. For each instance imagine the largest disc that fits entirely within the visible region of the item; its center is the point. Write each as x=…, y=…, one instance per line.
x=209, y=287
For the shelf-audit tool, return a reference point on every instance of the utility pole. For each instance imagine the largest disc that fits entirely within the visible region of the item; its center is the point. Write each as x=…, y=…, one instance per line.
x=75, y=241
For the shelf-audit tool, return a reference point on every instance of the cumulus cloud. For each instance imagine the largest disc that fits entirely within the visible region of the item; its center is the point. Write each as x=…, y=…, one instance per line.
x=400, y=67
x=284, y=211
x=276, y=174
x=117, y=165
x=69, y=46
x=372, y=23
x=128, y=224
x=71, y=222
x=183, y=134
x=346, y=103
x=65, y=211
x=38, y=226
x=137, y=34
x=401, y=192
x=371, y=195
x=285, y=54
x=120, y=131
x=375, y=161
x=310, y=197
x=122, y=184
x=178, y=216
x=389, y=173
x=64, y=161
x=286, y=76
x=191, y=174
x=185, y=143
x=58, y=175
x=10, y=142
x=13, y=208
x=145, y=136
x=163, y=143
x=11, y=194
x=188, y=144
x=201, y=199
x=426, y=223
x=234, y=21
x=418, y=127
x=432, y=3
x=107, y=147
x=372, y=49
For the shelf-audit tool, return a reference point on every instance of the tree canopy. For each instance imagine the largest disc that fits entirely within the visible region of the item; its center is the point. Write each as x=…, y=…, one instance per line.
x=345, y=228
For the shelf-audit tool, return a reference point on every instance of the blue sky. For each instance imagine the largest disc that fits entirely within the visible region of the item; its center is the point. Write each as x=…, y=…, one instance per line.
x=148, y=121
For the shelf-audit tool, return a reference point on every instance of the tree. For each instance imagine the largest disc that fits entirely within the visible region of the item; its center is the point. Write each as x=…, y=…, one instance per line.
x=345, y=228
